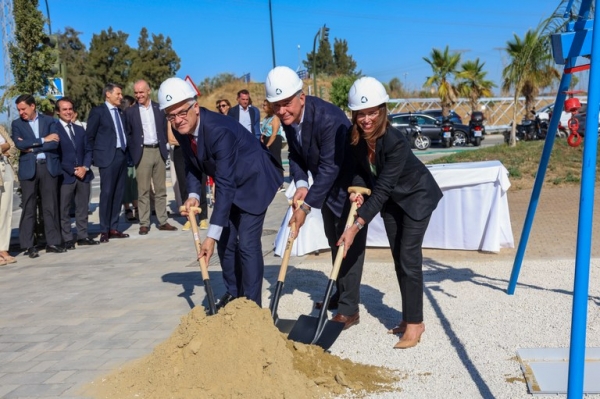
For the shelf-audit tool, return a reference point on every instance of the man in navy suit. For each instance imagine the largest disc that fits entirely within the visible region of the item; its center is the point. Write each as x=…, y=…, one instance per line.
x=247, y=115
x=76, y=161
x=316, y=134
x=147, y=128
x=247, y=178
x=108, y=142
x=35, y=136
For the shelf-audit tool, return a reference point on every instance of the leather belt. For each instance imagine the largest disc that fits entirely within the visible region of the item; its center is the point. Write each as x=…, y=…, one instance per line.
x=151, y=145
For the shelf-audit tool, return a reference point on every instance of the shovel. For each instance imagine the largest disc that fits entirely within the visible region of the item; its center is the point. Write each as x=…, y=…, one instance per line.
x=284, y=325
x=212, y=308
x=319, y=330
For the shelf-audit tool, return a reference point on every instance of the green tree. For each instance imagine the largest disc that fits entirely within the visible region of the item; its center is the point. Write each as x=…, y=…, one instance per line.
x=395, y=88
x=531, y=68
x=155, y=60
x=344, y=63
x=472, y=82
x=31, y=61
x=74, y=56
x=110, y=60
x=340, y=87
x=323, y=59
x=209, y=85
x=444, y=67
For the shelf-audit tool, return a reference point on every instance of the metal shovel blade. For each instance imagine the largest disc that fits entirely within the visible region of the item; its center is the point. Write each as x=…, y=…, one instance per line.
x=284, y=325
x=317, y=330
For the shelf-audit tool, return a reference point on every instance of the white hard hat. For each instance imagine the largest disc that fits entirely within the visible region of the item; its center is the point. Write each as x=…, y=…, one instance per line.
x=173, y=91
x=366, y=92
x=282, y=83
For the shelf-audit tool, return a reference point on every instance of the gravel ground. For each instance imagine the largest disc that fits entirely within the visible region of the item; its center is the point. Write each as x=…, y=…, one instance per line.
x=473, y=328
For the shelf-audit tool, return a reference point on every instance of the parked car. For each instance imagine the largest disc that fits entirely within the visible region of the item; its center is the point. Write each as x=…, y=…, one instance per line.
x=430, y=127
x=437, y=114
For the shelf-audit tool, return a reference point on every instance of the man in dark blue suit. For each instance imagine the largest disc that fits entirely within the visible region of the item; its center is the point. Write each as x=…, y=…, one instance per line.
x=76, y=161
x=247, y=178
x=316, y=134
x=147, y=128
x=107, y=140
x=247, y=115
x=35, y=136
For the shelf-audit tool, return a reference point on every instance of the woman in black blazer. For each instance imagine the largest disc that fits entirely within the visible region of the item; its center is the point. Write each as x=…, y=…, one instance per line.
x=402, y=189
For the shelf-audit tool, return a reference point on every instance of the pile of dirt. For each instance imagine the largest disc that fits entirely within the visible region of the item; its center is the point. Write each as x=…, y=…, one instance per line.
x=238, y=353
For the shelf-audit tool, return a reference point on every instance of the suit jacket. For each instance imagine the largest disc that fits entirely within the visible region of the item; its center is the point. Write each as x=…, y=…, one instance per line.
x=246, y=174
x=234, y=112
x=135, y=132
x=24, y=138
x=401, y=178
x=74, y=154
x=102, y=136
x=321, y=153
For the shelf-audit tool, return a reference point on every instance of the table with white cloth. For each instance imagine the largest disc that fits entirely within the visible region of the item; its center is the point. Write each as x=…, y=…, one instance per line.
x=472, y=215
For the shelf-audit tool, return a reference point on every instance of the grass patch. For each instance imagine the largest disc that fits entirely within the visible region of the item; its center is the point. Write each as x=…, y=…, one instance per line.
x=522, y=162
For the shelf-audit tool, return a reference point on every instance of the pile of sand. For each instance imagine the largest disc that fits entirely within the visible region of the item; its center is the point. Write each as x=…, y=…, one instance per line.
x=238, y=353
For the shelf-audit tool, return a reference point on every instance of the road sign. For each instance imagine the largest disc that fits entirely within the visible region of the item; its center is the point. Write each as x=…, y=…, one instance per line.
x=55, y=88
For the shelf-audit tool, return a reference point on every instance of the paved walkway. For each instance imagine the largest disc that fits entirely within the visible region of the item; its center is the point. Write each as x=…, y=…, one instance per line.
x=66, y=319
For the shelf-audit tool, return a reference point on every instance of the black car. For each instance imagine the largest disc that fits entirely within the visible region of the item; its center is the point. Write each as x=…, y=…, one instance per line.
x=437, y=114
x=430, y=127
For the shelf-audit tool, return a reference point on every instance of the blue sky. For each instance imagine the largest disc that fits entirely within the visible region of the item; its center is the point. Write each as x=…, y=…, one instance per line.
x=387, y=38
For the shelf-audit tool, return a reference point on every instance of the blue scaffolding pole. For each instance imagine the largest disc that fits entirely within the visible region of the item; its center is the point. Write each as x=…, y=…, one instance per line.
x=581, y=39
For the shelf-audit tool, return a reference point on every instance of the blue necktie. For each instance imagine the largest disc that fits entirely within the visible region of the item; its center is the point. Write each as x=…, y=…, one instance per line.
x=119, y=128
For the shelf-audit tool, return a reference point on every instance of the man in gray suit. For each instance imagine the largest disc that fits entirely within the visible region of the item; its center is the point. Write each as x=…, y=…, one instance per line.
x=35, y=135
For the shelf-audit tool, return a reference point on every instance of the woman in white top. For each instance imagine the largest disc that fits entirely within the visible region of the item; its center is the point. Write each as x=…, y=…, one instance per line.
x=271, y=134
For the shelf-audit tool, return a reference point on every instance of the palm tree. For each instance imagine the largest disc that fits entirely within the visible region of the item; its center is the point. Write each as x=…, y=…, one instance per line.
x=531, y=68
x=443, y=65
x=473, y=83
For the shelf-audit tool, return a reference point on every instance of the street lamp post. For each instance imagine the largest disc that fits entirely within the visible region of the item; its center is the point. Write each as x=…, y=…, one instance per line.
x=272, y=35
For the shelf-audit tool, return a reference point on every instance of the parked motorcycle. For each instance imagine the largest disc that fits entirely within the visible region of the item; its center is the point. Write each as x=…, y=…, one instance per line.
x=476, y=128
x=540, y=126
x=526, y=130
x=417, y=140
x=447, y=132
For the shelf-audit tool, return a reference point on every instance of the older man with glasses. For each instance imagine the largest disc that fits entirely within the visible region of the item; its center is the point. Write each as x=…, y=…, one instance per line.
x=247, y=178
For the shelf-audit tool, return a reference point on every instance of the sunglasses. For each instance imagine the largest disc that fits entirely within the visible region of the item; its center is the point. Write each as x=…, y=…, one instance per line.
x=221, y=105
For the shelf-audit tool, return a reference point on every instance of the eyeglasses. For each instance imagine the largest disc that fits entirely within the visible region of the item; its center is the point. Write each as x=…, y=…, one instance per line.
x=371, y=115
x=181, y=114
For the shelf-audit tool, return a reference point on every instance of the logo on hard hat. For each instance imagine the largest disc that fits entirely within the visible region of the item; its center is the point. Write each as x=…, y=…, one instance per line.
x=364, y=100
x=169, y=98
x=278, y=91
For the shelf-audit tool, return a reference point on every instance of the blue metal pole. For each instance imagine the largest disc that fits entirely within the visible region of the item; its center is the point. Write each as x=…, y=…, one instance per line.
x=539, y=178
x=584, y=230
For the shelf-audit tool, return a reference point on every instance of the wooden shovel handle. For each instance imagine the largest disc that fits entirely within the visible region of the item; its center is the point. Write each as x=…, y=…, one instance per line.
x=286, y=254
x=192, y=208
x=197, y=242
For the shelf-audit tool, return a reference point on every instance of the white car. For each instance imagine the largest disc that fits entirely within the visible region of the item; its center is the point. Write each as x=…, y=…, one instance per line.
x=544, y=113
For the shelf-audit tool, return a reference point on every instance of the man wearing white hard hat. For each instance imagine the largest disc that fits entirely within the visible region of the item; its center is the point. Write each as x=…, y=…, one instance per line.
x=316, y=134
x=402, y=190
x=247, y=178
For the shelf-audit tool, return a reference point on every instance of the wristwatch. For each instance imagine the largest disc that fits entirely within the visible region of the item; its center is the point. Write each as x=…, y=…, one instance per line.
x=305, y=208
x=358, y=224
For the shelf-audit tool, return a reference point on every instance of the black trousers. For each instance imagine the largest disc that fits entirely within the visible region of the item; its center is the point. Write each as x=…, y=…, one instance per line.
x=46, y=185
x=405, y=236
x=348, y=281
x=112, y=187
x=80, y=192
x=180, y=172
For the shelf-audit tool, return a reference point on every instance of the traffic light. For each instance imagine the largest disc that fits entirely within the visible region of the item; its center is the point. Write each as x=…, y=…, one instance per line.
x=324, y=33
x=51, y=41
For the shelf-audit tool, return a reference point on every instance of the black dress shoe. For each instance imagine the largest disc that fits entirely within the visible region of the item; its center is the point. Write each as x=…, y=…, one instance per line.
x=32, y=252
x=117, y=234
x=104, y=237
x=55, y=249
x=225, y=299
x=87, y=241
x=70, y=245
x=333, y=304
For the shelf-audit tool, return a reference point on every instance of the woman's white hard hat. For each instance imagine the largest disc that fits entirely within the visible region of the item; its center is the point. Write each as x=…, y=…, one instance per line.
x=282, y=83
x=173, y=91
x=366, y=92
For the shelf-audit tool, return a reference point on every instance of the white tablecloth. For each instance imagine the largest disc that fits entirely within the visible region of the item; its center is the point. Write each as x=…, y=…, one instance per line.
x=472, y=215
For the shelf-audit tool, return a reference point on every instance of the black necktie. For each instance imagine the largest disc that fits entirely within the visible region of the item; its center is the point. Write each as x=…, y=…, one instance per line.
x=119, y=128
x=71, y=134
